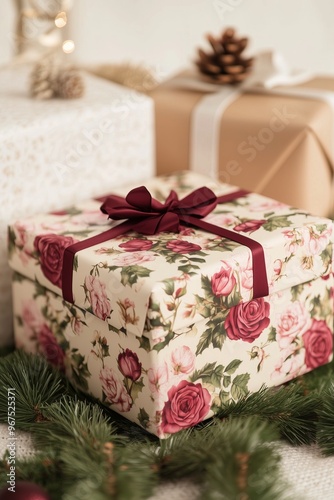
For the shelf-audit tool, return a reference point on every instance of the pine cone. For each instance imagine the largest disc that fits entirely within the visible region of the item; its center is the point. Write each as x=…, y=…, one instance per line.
x=225, y=64
x=42, y=79
x=70, y=84
x=50, y=79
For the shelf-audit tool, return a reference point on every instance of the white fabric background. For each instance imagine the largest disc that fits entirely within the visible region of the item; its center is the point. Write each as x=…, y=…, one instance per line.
x=310, y=475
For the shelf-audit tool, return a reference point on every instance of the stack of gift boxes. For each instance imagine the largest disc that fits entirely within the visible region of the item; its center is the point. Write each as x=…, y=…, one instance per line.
x=169, y=300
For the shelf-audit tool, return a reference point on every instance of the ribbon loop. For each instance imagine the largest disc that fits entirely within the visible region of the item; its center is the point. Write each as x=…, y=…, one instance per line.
x=151, y=216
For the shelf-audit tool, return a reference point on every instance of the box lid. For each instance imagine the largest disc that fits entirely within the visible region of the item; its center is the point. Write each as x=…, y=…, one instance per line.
x=156, y=285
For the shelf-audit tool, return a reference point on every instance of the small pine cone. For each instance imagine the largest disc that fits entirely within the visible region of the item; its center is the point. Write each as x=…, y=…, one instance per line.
x=225, y=63
x=70, y=84
x=42, y=79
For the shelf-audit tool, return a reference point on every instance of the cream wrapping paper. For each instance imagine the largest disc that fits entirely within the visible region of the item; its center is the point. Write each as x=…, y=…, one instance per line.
x=275, y=141
x=169, y=320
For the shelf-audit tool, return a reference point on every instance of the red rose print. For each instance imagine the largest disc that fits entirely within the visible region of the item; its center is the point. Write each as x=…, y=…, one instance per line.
x=187, y=405
x=128, y=364
x=318, y=342
x=187, y=231
x=223, y=282
x=50, y=348
x=249, y=226
x=181, y=246
x=136, y=244
x=246, y=321
x=51, y=249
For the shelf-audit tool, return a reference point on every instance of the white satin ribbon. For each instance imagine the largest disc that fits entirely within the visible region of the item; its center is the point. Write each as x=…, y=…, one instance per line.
x=270, y=70
x=205, y=130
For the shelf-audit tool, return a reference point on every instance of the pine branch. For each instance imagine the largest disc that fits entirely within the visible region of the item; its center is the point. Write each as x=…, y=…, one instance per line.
x=294, y=413
x=43, y=468
x=35, y=384
x=136, y=472
x=78, y=422
x=232, y=458
x=85, y=454
x=325, y=426
x=247, y=465
x=317, y=380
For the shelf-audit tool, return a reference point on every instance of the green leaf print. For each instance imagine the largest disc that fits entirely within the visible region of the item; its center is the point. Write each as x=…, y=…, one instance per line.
x=143, y=418
x=136, y=388
x=232, y=367
x=239, y=386
x=130, y=274
x=276, y=222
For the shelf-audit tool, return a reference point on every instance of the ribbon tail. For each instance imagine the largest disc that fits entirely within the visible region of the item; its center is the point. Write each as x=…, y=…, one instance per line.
x=70, y=251
x=260, y=281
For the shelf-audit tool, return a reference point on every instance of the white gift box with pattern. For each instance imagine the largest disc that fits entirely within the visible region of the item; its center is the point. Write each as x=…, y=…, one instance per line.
x=165, y=328
x=57, y=152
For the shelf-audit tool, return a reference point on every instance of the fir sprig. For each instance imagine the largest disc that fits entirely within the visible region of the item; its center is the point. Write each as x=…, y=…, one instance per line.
x=84, y=454
x=75, y=420
x=35, y=384
x=289, y=408
x=231, y=459
x=325, y=426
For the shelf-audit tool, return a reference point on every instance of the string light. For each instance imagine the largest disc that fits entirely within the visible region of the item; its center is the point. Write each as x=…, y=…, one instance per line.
x=61, y=19
x=68, y=46
x=31, y=13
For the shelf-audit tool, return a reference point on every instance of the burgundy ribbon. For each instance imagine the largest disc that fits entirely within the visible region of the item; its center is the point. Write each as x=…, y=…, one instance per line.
x=148, y=216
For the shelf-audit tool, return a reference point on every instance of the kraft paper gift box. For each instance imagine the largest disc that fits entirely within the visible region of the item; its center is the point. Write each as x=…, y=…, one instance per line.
x=167, y=327
x=281, y=146
x=56, y=152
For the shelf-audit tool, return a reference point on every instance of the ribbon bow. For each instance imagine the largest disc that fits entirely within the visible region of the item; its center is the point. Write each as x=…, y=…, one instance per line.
x=146, y=215
x=151, y=217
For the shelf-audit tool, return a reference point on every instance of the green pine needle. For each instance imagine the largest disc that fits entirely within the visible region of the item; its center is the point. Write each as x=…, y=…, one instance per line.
x=77, y=421
x=325, y=427
x=43, y=469
x=246, y=467
x=293, y=412
x=35, y=384
x=86, y=452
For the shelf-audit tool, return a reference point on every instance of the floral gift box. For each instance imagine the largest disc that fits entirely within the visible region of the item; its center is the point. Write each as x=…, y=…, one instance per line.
x=176, y=306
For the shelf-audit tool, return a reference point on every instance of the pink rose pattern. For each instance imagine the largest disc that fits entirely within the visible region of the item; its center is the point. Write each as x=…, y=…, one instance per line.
x=249, y=226
x=318, y=342
x=129, y=365
x=50, y=347
x=97, y=297
x=224, y=281
x=246, y=321
x=136, y=244
x=187, y=405
x=133, y=258
x=182, y=246
x=114, y=390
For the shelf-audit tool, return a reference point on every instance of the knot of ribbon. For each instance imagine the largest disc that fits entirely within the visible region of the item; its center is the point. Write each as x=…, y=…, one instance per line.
x=150, y=216
x=146, y=215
